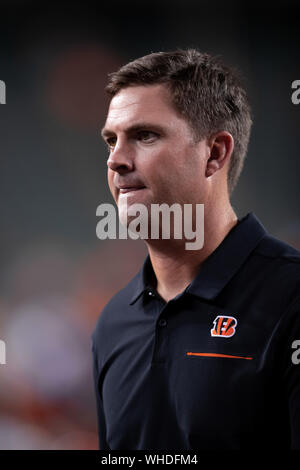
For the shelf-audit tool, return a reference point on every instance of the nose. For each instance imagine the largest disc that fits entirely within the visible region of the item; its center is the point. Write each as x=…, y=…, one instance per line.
x=119, y=159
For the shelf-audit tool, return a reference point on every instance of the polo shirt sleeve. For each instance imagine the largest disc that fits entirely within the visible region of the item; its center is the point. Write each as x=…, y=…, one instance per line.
x=103, y=445
x=291, y=371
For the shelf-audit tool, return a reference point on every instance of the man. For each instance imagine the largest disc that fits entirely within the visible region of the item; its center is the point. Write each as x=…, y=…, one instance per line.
x=195, y=353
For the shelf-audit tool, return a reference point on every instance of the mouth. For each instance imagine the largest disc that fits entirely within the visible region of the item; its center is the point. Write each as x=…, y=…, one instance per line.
x=131, y=189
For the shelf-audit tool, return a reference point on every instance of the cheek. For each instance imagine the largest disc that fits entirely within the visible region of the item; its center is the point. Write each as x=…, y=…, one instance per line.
x=157, y=167
x=166, y=172
x=110, y=176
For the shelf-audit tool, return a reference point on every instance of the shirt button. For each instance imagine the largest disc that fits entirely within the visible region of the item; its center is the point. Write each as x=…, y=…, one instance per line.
x=162, y=322
x=150, y=293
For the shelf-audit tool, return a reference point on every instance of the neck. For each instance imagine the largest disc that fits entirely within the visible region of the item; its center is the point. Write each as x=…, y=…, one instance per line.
x=174, y=266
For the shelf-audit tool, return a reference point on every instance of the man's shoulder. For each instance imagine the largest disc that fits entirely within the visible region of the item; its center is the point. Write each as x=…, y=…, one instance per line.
x=271, y=247
x=279, y=265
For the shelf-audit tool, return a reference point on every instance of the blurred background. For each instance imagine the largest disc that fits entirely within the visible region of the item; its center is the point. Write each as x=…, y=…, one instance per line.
x=55, y=274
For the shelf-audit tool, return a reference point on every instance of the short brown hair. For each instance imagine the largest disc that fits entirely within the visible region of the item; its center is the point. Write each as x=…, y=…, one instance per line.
x=208, y=94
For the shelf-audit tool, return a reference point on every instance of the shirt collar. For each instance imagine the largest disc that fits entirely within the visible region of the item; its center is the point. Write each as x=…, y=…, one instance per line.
x=220, y=266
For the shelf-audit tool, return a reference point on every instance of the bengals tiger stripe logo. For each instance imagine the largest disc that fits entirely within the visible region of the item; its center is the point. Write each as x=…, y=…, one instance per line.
x=224, y=326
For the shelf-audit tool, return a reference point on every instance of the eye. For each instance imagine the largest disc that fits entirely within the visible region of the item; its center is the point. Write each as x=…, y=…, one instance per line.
x=111, y=143
x=147, y=136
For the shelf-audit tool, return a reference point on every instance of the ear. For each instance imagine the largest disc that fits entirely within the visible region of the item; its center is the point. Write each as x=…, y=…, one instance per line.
x=221, y=147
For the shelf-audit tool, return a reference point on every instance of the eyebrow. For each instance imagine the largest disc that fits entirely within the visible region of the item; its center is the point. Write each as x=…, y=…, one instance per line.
x=105, y=132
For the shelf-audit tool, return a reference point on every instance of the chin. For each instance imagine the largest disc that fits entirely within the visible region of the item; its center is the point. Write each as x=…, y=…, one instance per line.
x=123, y=216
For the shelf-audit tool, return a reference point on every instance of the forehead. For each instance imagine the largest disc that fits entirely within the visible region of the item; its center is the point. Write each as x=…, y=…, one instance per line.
x=141, y=103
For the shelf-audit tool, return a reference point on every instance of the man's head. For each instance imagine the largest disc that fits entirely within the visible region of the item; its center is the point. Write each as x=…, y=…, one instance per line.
x=205, y=92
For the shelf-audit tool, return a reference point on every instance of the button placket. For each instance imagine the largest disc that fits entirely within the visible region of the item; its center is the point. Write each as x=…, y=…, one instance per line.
x=162, y=322
x=161, y=338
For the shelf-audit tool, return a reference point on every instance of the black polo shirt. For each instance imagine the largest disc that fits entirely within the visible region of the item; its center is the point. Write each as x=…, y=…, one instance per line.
x=212, y=368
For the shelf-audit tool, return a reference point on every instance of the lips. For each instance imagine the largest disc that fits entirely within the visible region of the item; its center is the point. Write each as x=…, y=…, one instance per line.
x=130, y=189
x=129, y=186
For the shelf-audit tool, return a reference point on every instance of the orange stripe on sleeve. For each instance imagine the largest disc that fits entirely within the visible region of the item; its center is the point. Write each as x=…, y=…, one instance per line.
x=217, y=355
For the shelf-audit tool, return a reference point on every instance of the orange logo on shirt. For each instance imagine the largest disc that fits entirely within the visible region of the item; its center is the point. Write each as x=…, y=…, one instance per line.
x=224, y=326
